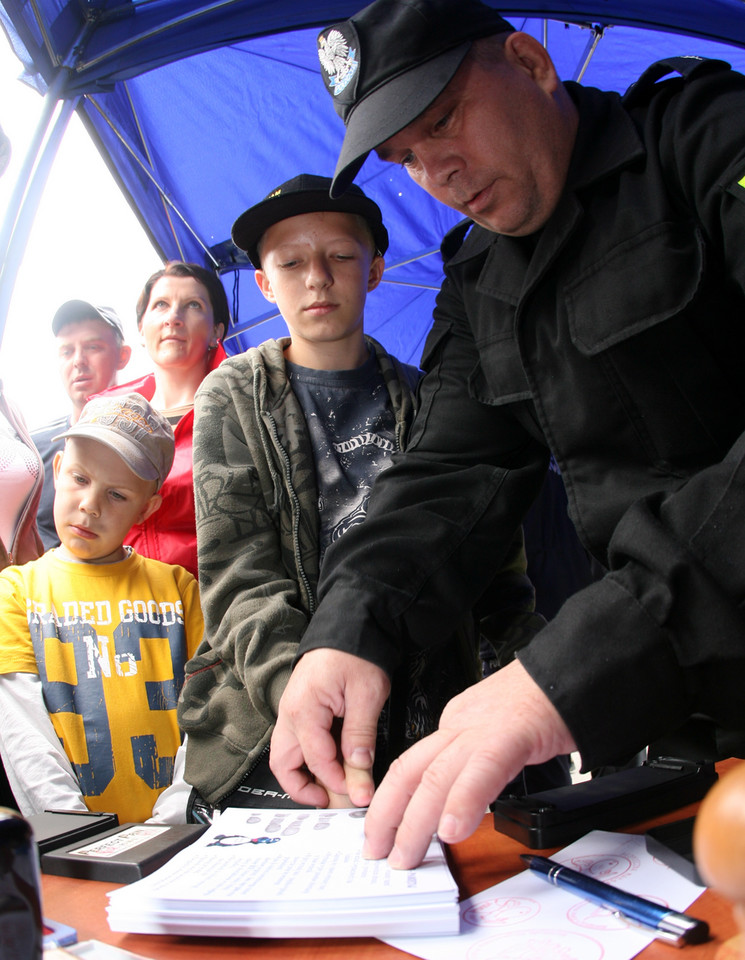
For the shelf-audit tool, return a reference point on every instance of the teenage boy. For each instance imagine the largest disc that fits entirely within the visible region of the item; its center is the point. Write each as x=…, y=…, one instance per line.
x=95, y=637
x=288, y=439
x=90, y=352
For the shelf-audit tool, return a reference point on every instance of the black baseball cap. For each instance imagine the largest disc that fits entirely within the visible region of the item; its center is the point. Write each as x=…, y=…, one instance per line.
x=305, y=193
x=386, y=64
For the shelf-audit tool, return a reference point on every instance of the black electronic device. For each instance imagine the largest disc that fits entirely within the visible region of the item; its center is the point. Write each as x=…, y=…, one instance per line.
x=125, y=853
x=552, y=818
x=55, y=828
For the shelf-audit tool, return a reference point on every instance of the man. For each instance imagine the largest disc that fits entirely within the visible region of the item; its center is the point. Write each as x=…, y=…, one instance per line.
x=91, y=351
x=594, y=312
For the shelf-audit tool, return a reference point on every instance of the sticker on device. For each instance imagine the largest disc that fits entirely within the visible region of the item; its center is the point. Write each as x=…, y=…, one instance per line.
x=120, y=842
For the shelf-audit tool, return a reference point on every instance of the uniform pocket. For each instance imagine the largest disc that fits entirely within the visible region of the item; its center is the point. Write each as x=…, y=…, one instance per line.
x=636, y=285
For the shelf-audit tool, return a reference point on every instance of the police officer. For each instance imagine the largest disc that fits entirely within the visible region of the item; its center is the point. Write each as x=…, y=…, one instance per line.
x=594, y=311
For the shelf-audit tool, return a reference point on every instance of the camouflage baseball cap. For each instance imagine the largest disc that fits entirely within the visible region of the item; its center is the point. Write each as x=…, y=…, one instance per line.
x=131, y=427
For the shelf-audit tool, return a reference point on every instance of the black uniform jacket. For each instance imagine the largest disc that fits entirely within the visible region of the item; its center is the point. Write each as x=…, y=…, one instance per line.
x=615, y=339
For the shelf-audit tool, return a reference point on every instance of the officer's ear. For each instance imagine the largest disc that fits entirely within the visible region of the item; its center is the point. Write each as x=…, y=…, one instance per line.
x=529, y=55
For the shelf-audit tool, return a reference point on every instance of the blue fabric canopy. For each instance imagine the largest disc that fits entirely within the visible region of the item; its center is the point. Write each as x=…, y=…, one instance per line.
x=201, y=108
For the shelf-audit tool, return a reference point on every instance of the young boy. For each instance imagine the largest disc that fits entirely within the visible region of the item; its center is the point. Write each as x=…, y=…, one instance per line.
x=288, y=440
x=95, y=637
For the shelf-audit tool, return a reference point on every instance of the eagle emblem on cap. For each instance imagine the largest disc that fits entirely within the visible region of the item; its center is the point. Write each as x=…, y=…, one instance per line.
x=338, y=59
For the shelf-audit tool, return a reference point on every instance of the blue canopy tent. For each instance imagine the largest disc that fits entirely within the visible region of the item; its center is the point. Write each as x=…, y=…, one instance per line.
x=199, y=109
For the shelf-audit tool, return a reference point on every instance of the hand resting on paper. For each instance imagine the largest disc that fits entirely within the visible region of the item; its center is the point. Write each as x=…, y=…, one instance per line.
x=444, y=783
x=325, y=685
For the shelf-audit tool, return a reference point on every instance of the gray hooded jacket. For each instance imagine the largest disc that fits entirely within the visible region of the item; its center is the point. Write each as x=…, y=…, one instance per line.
x=258, y=548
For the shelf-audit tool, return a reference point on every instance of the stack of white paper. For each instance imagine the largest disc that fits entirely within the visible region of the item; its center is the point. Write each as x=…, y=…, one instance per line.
x=288, y=873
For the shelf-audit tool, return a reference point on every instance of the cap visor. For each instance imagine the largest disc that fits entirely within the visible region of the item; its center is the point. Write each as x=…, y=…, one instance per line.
x=390, y=108
x=253, y=224
x=128, y=450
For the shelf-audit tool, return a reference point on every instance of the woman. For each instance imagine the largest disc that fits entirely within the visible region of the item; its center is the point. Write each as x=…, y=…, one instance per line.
x=21, y=480
x=182, y=313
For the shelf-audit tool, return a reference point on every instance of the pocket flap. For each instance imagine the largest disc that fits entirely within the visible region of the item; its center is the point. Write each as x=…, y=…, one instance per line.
x=634, y=286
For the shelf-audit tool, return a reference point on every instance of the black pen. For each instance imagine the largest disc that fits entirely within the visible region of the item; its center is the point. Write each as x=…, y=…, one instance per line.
x=668, y=925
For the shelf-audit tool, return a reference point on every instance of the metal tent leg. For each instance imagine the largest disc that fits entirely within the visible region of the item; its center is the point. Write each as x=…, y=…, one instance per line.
x=27, y=193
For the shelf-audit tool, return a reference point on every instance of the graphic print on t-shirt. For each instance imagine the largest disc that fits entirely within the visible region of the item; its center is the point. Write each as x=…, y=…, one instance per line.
x=352, y=433
x=110, y=671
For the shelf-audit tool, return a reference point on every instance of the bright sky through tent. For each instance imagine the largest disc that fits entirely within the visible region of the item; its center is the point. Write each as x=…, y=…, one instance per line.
x=85, y=243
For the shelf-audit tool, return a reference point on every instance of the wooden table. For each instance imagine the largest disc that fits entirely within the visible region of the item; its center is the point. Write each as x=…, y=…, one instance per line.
x=479, y=862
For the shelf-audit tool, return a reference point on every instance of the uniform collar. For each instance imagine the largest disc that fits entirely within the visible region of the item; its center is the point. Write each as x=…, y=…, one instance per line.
x=607, y=139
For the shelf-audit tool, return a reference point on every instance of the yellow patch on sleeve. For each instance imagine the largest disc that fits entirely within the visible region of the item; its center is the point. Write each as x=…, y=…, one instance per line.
x=736, y=189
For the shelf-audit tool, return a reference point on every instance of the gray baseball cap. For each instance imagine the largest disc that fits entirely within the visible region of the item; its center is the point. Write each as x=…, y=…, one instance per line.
x=131, y=427
x=73, y=310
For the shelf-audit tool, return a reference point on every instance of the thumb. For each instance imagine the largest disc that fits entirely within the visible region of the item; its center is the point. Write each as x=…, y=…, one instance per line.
x=358, y=735
x=358, y=771
x=360, y=784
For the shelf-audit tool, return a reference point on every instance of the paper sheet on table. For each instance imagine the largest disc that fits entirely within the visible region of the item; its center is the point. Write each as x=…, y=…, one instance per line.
x=525, y=918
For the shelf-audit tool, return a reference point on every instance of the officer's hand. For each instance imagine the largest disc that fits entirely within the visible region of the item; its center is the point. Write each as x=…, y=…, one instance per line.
x=324, y=685
x=445, y=782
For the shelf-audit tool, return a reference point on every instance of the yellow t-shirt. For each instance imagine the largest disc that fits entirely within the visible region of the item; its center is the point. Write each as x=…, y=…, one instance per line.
x=109, y=643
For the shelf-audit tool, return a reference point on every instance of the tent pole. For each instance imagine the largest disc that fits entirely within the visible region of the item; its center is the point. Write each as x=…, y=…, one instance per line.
x=597, y=35
x=55, y=92
x=16, y=198
x=167, y=202
x=19, y=225
x=42, y=28
x=146, y=150
x=209, y=8
x=32, y=178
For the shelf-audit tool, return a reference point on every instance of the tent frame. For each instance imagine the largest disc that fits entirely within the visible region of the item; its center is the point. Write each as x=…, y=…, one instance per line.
x=110, y=41
x=42, y=150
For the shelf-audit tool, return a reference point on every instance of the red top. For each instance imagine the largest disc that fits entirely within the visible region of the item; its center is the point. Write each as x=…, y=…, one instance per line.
x=170, y=534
